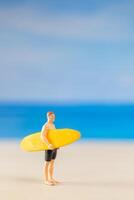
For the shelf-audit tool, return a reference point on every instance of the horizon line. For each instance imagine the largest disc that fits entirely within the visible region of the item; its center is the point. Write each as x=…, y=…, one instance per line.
x=60, y=103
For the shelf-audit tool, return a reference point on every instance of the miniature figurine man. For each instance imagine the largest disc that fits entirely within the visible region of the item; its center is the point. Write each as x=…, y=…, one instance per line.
x=51, y=153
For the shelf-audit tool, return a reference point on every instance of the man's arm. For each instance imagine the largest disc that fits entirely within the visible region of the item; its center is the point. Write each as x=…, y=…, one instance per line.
x=44, y=132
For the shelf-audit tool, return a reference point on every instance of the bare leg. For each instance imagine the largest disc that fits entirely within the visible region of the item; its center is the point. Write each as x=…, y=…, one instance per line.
x=46, y=173
x=51, y=170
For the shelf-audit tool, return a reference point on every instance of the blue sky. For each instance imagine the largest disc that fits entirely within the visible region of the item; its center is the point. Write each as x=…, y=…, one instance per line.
x=67, y=51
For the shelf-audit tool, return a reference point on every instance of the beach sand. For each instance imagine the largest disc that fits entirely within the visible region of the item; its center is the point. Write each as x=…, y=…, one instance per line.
x=88, y=170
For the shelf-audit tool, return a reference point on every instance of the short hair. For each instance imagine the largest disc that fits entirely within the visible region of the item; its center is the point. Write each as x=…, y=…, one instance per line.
x=49, y=113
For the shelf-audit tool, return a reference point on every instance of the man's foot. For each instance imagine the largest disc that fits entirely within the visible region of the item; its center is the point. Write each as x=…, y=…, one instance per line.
x=54, y=181
x=49, y=183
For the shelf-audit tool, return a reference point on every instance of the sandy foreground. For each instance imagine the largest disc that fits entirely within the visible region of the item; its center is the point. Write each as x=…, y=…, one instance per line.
x=88, y=170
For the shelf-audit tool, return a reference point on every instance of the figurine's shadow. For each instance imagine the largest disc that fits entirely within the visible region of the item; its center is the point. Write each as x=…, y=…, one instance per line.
x=27, y=180
x=102, y=183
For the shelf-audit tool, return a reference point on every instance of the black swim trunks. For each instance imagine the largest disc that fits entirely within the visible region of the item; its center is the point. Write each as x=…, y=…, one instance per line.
x=50, y=154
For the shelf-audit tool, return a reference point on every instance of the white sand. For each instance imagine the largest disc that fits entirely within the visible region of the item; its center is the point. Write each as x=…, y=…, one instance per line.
x=92, y=171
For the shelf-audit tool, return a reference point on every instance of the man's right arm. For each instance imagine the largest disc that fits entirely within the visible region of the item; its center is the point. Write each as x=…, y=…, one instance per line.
x=44, y=132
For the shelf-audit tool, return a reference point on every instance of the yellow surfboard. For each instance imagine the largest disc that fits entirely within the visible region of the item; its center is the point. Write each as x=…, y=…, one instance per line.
x=57, y=137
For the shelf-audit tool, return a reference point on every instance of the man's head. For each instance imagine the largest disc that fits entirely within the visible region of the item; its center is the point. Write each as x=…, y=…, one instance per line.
x=51, y=116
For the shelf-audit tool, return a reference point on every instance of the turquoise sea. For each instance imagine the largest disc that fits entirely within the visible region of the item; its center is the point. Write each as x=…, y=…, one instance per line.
x=94, y=121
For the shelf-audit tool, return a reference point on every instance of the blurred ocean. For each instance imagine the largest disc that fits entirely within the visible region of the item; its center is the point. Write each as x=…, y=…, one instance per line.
x=93, y=121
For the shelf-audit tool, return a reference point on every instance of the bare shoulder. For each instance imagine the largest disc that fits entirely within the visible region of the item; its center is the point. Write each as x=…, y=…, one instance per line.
x=45, y=126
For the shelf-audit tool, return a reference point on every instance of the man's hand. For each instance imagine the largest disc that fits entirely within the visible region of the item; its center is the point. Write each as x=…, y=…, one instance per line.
x=50, y=146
